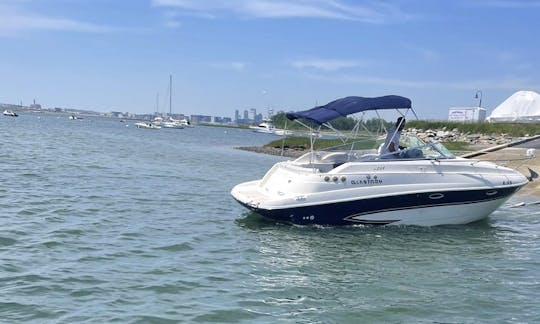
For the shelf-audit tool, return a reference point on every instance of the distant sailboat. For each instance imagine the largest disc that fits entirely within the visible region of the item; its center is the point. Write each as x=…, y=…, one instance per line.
x=171, y=122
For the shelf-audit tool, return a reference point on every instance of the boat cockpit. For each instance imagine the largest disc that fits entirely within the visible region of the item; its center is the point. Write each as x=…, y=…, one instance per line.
x=413, y=149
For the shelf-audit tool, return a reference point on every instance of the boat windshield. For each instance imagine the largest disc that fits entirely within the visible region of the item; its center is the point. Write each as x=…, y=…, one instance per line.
x=415, y=148
x=356, y=151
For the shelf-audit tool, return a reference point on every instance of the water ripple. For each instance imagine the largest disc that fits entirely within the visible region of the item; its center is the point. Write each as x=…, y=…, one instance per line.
x=123, y=225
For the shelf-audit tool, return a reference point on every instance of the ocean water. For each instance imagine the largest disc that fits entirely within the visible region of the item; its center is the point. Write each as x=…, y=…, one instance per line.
x=102, y=222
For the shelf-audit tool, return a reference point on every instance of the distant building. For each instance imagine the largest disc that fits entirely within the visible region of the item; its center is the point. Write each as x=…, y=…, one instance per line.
x=179, y=116
x=117, y=114
x=253, y=114
x=35, y=105
x=243, y=121
x=201, y=119
x=466, y=114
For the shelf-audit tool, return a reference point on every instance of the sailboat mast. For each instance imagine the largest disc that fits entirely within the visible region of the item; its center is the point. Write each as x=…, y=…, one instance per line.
x=170, y=95
x=157, y=102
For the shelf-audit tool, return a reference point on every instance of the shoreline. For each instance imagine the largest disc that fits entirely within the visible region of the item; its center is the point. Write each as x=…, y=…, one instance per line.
x=513, y=158
x=287, y=152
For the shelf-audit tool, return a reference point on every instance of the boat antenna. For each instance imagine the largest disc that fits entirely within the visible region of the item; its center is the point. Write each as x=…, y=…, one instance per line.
x=157, y=103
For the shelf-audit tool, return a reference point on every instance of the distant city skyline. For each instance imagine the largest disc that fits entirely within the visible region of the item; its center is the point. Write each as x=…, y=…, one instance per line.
x=281, y=55
x=250, y=114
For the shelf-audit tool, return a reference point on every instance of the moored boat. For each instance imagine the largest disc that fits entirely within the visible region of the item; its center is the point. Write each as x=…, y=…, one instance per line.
x=9, y=113
x=422, y=184
x=146, y=125
x=267, y=127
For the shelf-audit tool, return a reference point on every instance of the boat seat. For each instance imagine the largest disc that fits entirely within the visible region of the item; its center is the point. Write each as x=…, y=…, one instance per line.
x=336, y=157
x=369, y=157
x=411, y=153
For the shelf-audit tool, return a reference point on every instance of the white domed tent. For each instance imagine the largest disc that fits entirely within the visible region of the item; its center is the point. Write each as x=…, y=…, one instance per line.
x=521, y=107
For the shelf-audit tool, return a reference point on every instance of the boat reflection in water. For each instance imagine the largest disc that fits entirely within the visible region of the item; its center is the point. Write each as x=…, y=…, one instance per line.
x=423, y=184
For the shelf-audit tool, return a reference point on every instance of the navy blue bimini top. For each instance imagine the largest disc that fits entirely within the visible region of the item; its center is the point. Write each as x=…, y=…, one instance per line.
x=349, y=105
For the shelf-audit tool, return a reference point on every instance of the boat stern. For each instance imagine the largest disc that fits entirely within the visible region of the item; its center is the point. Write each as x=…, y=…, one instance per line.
x=247, y=194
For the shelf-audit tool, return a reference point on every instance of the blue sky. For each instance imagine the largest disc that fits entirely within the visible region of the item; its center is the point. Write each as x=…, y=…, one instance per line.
x=114, y=55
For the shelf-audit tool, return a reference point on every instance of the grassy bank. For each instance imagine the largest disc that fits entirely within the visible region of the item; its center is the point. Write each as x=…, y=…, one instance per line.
x=303, y=143
x=516, y=130
x=346, y=123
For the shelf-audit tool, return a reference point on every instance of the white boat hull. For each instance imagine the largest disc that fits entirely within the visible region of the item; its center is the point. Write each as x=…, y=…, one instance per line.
x=395, y=196
x=435, y=215
x=10, y=113
x=147, y=126
x=463, y=208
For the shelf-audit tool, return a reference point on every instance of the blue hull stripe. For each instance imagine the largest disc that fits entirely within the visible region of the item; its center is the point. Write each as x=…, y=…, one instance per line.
x=342, y=213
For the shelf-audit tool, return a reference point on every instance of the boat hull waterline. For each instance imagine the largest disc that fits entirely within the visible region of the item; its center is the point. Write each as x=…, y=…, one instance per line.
x=421, y=209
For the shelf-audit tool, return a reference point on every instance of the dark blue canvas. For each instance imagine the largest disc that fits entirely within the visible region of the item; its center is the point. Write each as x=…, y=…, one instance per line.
x=349, y=105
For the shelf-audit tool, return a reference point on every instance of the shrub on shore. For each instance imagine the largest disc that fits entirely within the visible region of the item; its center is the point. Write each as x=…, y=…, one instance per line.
x=516, y=130
x=346, y=123
x=322, y=143
x=303, y=143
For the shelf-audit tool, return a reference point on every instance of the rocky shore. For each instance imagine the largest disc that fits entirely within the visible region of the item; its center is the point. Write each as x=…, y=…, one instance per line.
x=476, y=141
x=454, y=135
x=287, y=152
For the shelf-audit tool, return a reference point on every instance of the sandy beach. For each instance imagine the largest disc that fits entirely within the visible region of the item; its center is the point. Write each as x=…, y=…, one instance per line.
x=516, y=158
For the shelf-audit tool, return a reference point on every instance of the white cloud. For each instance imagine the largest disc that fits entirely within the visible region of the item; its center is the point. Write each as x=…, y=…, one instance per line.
x=15, y=19
x=507, y=4
x=504, y=83
x=428, y=55
x=327, y=64
x=375, y=12
x=234, y=66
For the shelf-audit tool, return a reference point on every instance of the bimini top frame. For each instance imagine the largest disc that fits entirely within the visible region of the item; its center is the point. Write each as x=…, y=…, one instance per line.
x=350, y=105
x=322, y=115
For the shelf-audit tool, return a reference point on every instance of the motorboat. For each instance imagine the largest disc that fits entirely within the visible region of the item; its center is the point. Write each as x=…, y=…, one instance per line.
x=422, y=184
x=146, y=125
x=172, y=123
x=169, y=122
x=185, y=123
x=10, y=113
x=267, y=127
